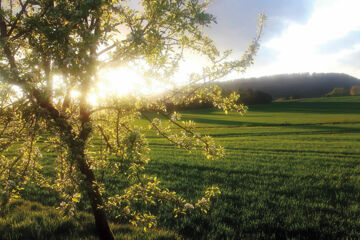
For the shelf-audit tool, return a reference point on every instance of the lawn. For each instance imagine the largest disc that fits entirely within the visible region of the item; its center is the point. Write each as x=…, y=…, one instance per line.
x=291, y=170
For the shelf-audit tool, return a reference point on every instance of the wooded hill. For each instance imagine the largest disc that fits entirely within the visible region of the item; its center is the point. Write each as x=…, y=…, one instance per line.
x=300, y=85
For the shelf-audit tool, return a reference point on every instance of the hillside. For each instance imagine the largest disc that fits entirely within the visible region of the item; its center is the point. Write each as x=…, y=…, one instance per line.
x=303, y=85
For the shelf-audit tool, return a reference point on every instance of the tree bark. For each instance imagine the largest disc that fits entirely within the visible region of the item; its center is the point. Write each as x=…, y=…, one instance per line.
x=77, y=153
x=77, y=145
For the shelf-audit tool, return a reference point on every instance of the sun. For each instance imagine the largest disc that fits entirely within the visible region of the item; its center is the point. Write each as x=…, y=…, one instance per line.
x=124, y=81
x=120, y=81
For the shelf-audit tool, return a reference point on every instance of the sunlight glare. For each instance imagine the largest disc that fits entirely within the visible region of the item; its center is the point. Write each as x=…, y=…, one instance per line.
x=124, y=81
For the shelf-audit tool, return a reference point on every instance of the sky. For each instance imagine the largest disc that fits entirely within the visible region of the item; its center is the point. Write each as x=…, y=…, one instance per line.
x=299, y=35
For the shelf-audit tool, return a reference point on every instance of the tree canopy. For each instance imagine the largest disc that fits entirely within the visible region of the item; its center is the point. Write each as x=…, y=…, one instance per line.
x=71, y=41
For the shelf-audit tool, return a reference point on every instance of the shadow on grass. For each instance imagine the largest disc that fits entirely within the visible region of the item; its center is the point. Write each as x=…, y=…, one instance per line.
x=323, y=128
x=354, y=155
x=241, y=123
x=310, y=107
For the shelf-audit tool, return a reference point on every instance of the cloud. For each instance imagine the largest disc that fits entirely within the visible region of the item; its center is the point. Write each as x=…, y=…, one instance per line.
x=348, y=60
x=237, y=19
x=329, y=22
x=300, y=48
x=351, y=39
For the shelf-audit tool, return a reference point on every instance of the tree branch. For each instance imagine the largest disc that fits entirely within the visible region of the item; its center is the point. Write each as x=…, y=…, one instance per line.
x=105, y=137
x=106, y=49
x=23, y=8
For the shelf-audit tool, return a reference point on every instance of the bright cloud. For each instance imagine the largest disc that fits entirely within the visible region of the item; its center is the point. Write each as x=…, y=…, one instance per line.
x=298, y=46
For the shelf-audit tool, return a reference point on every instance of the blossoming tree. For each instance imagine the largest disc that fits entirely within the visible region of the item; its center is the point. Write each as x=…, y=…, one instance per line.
x=73, y=40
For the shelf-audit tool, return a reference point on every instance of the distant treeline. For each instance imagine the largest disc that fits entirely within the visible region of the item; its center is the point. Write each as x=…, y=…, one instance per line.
x=247, y=97
x=264, y=90
x=299, y=85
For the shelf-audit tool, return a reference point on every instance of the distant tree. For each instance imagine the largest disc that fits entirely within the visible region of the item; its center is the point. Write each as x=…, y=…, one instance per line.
x=338, y=92
x=74, y=40
x=251, y=97
x=302, y=85
x=355, y=90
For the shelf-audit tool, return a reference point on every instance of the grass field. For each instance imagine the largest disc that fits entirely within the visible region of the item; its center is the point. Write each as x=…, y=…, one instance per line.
x=291, y=171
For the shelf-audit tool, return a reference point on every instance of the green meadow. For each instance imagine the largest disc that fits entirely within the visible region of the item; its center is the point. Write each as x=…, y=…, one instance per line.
x=291, y=171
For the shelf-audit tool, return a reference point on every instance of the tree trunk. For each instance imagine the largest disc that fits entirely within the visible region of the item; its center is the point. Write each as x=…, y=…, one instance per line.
x=101, y=222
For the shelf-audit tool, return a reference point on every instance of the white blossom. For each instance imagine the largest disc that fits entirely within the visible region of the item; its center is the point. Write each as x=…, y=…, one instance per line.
x=202, y=201
x=188, y=206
